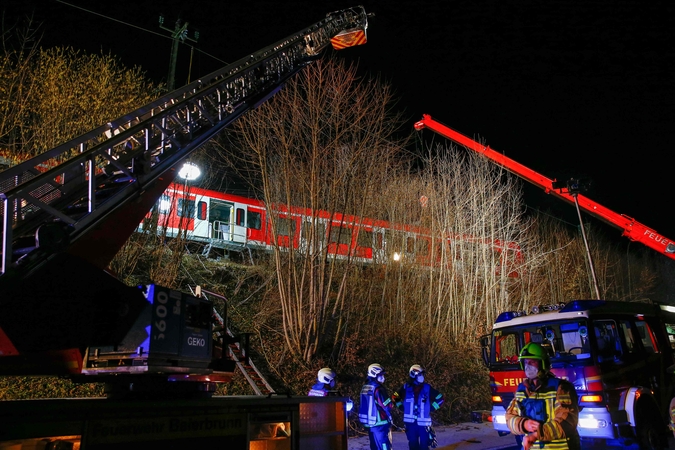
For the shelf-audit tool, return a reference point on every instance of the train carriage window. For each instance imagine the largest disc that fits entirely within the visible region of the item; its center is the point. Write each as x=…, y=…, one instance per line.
x=220, y=212
x=201, y=211
x=314, y=231
x=422, y=247
x=365, y=239
x=186, y=208
x=285, y=226
x=164, y=204
x=240, y=216
x=340, y=235
x=254, y=220
x=379, y=240
x=410, y=244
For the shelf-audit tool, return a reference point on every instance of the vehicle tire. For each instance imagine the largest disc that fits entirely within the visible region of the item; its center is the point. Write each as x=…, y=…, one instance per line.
x=650, y=431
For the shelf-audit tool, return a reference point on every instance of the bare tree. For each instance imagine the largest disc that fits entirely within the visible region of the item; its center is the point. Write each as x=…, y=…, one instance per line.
x=472, y=214
x=324, y=143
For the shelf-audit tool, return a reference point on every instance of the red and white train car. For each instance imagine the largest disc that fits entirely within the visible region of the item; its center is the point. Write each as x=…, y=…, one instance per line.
x=231, y=222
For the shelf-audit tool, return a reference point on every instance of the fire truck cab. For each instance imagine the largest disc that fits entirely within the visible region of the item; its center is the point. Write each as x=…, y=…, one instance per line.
x=618, y=355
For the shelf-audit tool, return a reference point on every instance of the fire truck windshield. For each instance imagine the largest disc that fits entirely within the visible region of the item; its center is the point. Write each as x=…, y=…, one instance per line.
x=564, y=340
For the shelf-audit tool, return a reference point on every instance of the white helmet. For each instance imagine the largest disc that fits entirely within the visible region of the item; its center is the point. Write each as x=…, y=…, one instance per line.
x=415, y=370
x=374, y=370
x=326, y=375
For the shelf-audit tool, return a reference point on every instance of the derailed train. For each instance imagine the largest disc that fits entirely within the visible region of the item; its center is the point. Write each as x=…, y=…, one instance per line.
x=234, y=223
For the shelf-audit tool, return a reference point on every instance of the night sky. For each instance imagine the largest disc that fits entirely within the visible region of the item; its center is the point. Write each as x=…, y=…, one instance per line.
x=568, y=88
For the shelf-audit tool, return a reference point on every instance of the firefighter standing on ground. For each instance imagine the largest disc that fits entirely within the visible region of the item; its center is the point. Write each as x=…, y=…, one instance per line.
x=326, y=380
x=417, y=399
x=375, y=409
x=326, y=385
x=544, y=410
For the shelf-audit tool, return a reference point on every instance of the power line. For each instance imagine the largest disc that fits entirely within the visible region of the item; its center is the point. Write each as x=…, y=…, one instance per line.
x=138, y=28
x=112, y=18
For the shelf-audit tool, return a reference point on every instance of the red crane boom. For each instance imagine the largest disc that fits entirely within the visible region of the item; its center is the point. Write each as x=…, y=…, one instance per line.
x=631, y=228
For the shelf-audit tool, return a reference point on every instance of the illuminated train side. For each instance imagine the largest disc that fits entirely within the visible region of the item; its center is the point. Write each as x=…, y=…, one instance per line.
x=234, y=223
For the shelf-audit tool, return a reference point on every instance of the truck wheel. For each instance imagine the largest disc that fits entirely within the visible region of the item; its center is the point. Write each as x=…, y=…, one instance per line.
x=650, y=434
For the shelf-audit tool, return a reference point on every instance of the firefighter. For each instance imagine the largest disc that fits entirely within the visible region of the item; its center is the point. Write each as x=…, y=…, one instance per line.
x=418, y=399
x=545, y=409
x=326, y=381
x=375, y=409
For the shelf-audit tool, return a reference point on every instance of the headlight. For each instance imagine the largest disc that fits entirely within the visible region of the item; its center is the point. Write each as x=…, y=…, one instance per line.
x=591, y=422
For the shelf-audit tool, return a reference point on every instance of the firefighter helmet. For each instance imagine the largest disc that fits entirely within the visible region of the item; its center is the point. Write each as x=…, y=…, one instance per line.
x=374, y=370
x=532, y=350
x=415, y=370
x=326, y=375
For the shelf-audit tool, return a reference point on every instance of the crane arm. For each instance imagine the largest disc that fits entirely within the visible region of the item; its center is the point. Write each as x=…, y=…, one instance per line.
x=630, y=227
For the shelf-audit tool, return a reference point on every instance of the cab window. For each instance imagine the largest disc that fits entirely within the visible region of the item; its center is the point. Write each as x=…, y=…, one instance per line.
x=609, y=347
x=670, y=330
x=506, y=348
x=646, y=337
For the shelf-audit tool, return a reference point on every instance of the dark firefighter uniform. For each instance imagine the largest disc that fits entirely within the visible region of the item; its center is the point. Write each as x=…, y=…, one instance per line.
x=553, y=403
x=375, y=409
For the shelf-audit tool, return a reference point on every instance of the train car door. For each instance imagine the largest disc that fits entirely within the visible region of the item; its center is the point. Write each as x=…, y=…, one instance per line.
x=202, y=226
x=220, y=216
x=239, y=223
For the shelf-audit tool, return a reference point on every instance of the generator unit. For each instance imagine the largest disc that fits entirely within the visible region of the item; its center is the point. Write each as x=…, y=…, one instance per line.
x=173, y=335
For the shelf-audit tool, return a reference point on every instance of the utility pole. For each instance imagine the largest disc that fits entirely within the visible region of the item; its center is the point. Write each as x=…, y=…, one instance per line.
x=179, y=33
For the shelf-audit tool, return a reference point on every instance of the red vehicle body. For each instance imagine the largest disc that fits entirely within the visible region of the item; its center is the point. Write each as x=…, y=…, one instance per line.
x=235, y=223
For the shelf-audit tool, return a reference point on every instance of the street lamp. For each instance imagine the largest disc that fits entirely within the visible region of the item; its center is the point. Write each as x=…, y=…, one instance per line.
x=189, y=172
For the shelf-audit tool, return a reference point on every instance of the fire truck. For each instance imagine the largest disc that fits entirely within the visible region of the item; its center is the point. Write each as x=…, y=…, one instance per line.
x=67, y=212
x=618, y=355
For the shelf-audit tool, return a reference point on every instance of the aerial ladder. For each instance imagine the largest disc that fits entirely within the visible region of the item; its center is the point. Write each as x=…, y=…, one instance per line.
x=567, y=191
x=67, y=212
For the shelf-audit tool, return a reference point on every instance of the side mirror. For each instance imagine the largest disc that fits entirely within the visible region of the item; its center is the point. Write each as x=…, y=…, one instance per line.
x=485, y=340
x=485, y=349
